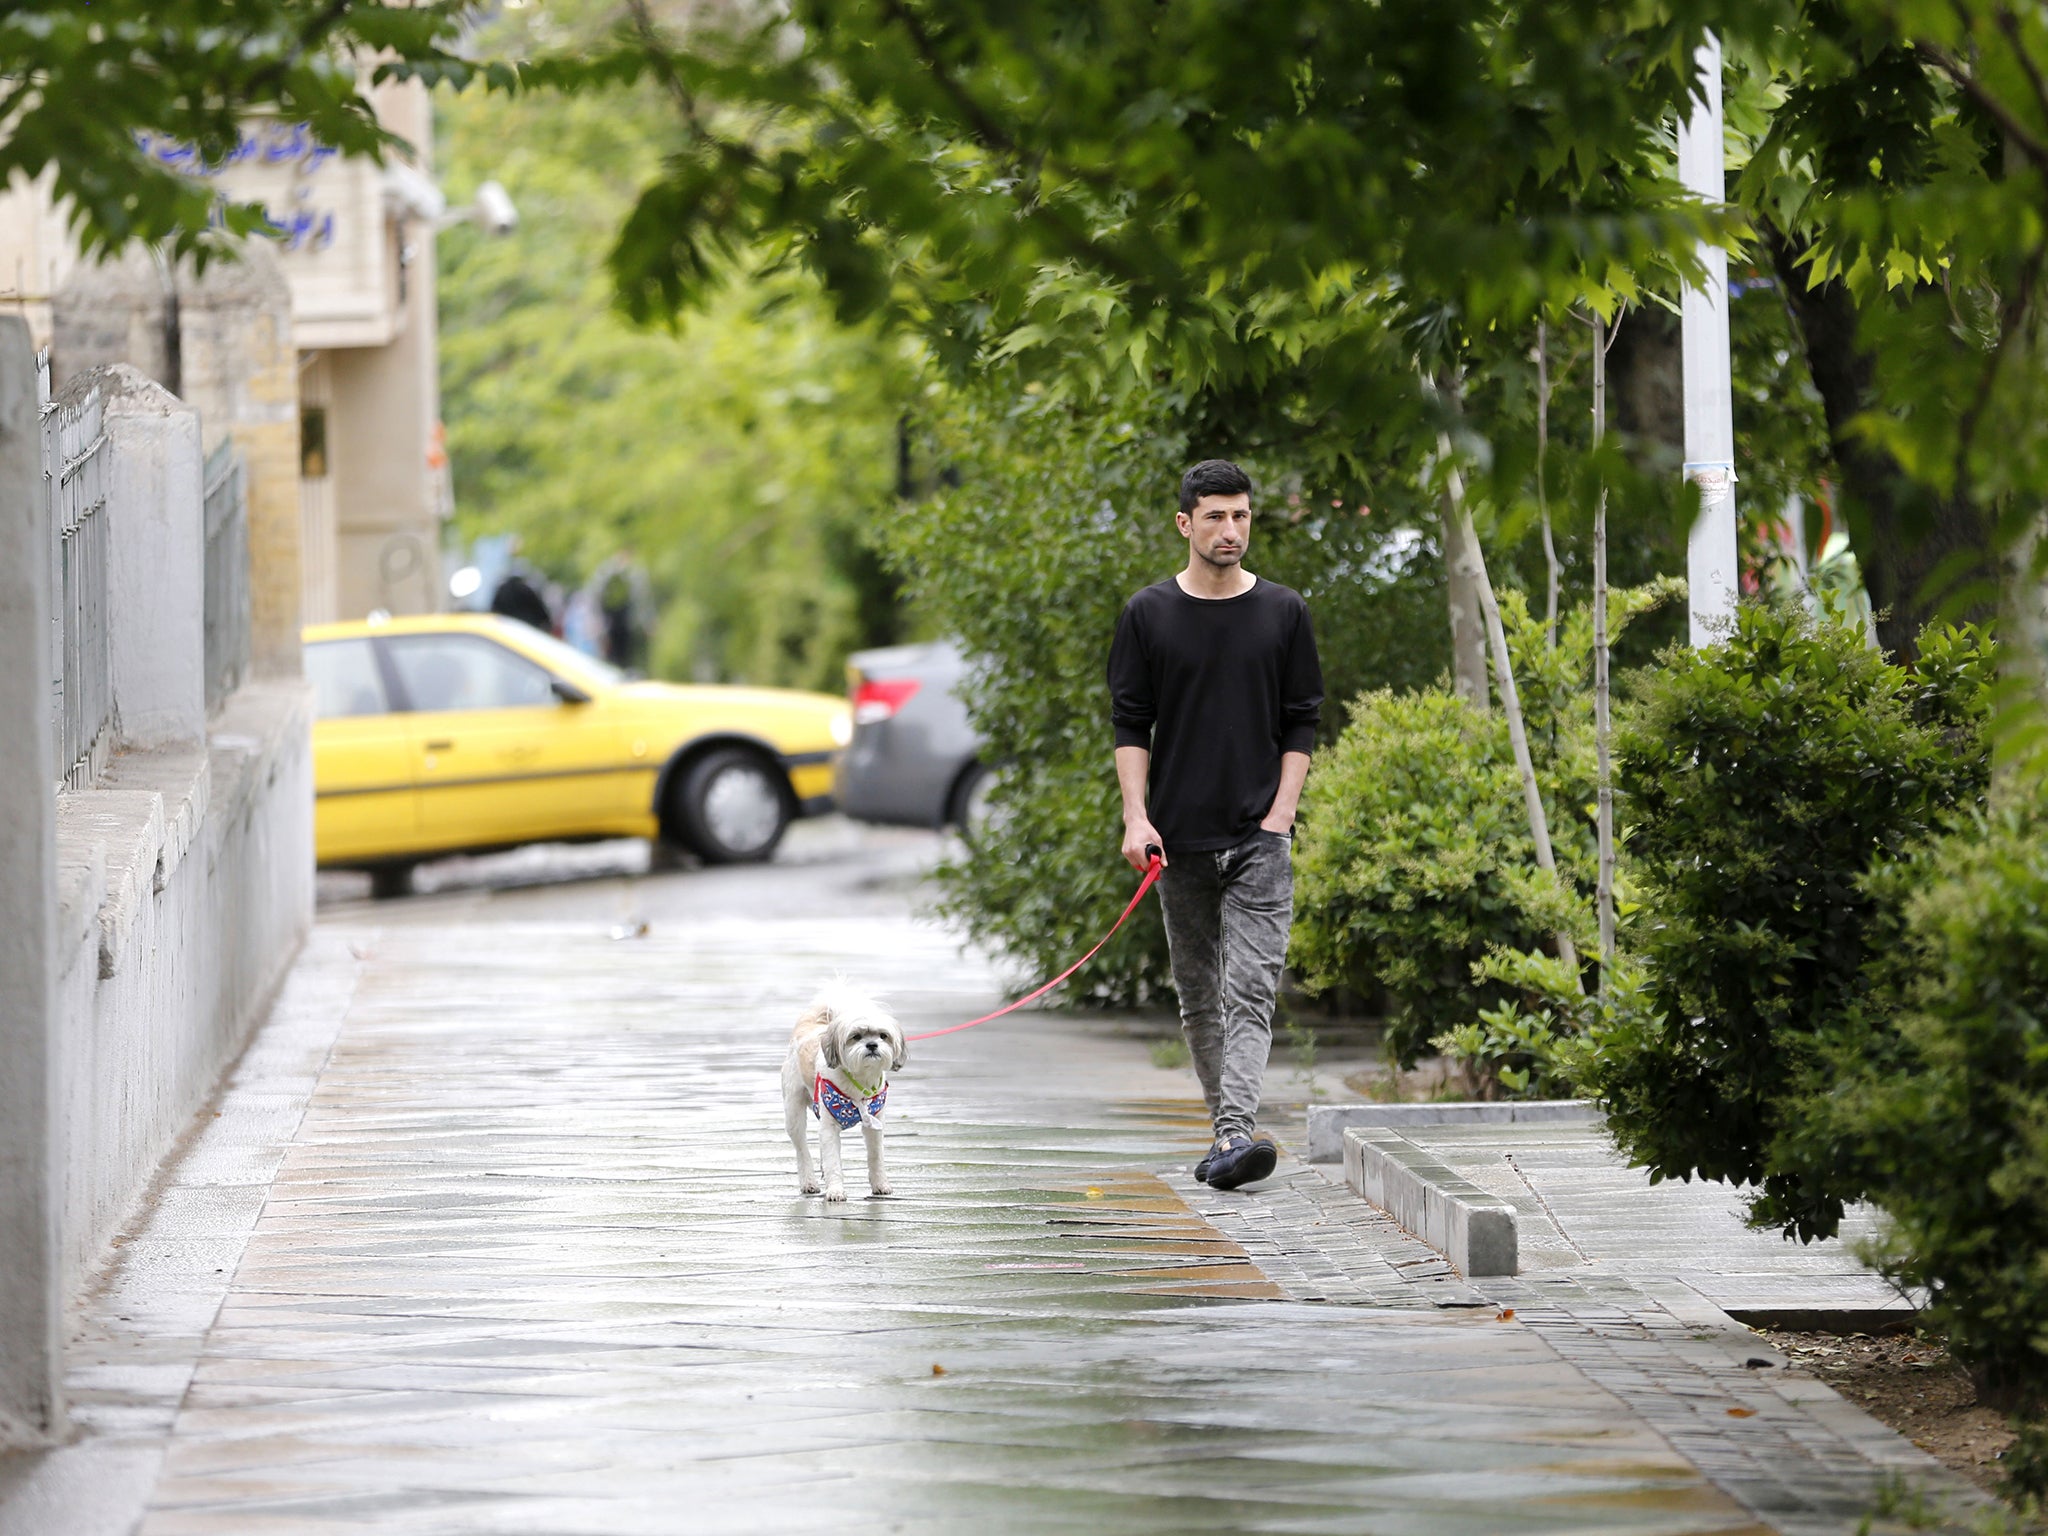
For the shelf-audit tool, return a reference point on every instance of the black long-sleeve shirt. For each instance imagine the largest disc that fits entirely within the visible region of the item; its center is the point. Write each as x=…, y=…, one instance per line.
x=1217, y=689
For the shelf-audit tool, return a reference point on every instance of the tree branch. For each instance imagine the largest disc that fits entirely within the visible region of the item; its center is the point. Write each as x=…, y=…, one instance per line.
x=310, y=36
x=2009, y=24
x=1078, y=244
x=2009, y=316
x=2028, y=142
x=983, y=122
x=995, y=137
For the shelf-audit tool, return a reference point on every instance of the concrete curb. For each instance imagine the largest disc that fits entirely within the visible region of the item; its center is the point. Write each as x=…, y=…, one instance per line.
x=1468, y=1226
x=1327, y=1123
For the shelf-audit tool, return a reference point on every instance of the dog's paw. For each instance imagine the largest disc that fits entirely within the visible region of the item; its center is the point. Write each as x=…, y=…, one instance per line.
x=835, y=1191
x=809, y=1186
x=882, y=1187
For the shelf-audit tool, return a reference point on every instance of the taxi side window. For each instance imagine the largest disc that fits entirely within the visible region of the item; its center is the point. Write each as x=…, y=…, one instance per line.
x=452, y=672
x=345, y=680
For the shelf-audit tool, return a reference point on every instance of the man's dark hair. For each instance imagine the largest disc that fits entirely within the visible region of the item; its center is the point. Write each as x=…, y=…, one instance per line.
x=1212, y=477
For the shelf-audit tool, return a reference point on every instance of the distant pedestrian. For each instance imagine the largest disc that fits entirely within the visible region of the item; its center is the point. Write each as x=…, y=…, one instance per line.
x=1216, y=692
x=518, y=598
x=621, y=631
x=583, y=622
x=625, y=609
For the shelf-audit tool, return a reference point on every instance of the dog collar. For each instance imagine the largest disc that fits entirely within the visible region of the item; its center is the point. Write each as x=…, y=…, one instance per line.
x=836, y=1102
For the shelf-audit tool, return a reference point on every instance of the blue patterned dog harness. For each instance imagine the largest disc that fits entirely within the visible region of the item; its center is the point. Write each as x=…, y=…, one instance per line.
x=843, y=1109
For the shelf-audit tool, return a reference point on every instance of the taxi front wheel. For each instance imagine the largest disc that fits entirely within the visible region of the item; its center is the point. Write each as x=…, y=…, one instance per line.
x=733, y=806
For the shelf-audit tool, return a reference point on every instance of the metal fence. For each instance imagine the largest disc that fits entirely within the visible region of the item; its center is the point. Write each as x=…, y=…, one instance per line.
x=227, y=573
x=75, y=461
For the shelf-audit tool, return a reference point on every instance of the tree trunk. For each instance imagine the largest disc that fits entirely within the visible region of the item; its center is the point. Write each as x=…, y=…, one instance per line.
x=1542, y=489
x=1468, y=620
x=1603, y=723
x=1474, y=561
x=1901, y=532
x=2022, y=659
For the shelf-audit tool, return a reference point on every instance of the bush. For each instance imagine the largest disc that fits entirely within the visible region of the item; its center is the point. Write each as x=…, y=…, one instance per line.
x=1776, y=788
x=1954, y=1132
x=1413, y=860
x=1545, y=1041
x=1053, y=518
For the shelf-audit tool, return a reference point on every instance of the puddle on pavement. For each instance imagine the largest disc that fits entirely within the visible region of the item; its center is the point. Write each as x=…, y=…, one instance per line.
x=1190, y=1113
x=1171, y=1251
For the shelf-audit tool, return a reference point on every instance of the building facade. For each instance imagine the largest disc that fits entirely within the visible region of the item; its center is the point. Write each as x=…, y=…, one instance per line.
x=355, y=243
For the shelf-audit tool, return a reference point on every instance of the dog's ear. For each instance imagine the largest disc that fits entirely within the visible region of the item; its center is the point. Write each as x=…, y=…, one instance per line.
x=828, y=1041
x=902, y=1049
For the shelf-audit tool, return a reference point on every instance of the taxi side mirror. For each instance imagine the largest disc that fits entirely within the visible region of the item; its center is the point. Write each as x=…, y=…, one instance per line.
x=567, y=691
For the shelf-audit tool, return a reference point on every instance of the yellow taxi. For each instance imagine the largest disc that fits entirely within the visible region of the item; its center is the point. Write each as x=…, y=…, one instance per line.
x=463, y=732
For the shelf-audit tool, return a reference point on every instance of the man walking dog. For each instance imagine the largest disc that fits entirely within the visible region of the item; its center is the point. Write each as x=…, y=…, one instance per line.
x=1216, y=691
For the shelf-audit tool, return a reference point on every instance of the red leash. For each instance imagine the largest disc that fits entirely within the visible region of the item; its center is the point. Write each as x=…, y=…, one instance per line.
x=1151, y=875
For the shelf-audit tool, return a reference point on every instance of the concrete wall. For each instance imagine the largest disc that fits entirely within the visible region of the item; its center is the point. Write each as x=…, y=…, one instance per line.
x=156, y=558
x=184, y=874
x=185, y=882
x=31, y=1295
x=145, y=920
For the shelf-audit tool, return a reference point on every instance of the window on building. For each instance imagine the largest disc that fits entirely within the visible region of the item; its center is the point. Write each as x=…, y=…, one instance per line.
x=313, y=442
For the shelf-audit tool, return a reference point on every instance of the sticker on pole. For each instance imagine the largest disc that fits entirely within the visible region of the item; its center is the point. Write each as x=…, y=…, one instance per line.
x=1714, y=480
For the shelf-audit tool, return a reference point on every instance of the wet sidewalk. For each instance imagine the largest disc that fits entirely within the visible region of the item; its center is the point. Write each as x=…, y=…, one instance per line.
x=497, y=1231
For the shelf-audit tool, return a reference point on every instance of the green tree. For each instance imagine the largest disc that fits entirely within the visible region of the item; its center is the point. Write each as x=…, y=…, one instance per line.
x=1779, y=786
x=1290, y=213
x=1905, y=178
x=740, y=454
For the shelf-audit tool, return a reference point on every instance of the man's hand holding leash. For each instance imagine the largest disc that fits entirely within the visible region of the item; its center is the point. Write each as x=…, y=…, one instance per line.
x=1141, y=838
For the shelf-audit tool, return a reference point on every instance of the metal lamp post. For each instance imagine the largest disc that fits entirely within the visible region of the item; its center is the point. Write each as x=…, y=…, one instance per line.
x=1710, y=559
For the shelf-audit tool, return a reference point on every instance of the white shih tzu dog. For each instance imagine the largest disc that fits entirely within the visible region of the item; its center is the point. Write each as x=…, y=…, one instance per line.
x=840, y=1057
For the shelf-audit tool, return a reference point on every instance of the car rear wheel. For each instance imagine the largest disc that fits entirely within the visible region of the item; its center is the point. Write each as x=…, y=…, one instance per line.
x=390, y=881
x=970, y=809
x=733, y=806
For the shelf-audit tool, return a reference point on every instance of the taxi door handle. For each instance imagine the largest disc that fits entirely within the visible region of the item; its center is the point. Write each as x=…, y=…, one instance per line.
x=440, y=746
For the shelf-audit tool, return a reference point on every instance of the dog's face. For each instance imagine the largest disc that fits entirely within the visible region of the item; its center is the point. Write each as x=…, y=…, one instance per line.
x=860, y=1037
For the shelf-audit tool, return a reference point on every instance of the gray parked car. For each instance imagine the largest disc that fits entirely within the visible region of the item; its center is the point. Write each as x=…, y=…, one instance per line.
x=914, y=759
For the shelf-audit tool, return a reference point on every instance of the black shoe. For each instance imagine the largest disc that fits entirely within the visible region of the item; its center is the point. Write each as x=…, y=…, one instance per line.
x=1202, y=1168
x=1240, y=1160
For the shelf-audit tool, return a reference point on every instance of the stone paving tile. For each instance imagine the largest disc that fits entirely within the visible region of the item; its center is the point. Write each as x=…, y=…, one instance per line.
x=533, y=1261
x=1578, y=1202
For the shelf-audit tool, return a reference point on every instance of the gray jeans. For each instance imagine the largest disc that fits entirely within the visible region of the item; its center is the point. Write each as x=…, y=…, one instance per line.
x=1227, y=917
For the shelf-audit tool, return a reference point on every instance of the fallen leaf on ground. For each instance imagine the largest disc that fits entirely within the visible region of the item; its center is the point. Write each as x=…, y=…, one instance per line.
x=938, y=1370
x=1741, y=1413
x=1504, y=1315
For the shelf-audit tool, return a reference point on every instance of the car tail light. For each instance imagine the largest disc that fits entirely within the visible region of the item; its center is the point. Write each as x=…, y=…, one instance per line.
x=876, y=701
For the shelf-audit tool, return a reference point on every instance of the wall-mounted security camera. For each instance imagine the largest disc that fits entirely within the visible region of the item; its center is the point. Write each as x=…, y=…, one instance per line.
x=493, y=209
